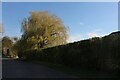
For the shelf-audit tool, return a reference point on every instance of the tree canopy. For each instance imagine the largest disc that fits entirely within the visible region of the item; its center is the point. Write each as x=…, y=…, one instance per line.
x=42, y=29
x=6, y=42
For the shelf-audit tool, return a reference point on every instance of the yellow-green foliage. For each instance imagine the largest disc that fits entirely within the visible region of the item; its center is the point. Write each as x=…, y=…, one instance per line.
x=42, y=29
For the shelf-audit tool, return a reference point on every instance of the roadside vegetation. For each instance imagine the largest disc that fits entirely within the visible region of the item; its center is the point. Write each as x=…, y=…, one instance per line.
x=95, y=54
x=44, y=39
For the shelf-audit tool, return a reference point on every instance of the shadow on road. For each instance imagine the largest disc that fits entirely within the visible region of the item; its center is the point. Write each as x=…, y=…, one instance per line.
x=20, y=69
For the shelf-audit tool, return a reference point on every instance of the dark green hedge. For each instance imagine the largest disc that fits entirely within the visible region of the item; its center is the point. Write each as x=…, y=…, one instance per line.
x=101, y=54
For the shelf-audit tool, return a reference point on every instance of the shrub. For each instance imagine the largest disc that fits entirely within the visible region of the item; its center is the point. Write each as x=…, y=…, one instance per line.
x=100, y=54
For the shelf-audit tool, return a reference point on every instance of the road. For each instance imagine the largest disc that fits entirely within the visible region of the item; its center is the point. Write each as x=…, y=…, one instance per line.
x=21, y=69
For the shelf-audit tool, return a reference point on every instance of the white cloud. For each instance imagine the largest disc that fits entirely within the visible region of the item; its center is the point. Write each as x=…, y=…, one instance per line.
x=79, y=37
x=94, y=33
x=81, y=23
x=76, y=37
x=84, y=24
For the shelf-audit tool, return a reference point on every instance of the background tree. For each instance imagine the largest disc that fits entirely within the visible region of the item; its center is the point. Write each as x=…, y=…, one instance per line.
x=42, y=29
x=14, y=48
x=6, y=45
x=0, y=47
x=15, y=39
x=1, y=31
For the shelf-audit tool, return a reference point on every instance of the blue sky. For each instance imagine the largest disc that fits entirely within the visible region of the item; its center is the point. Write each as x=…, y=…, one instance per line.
x=84, y=19
x=0, y=12
x=60, y=0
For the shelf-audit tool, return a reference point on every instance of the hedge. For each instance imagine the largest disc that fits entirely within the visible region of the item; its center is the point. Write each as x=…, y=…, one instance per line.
x=100, y=54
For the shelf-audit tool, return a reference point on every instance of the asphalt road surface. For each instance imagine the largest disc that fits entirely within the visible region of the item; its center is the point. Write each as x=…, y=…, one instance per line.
x=21, y=69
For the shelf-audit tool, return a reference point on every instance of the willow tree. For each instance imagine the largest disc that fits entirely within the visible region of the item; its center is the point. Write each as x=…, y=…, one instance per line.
x=42, y=29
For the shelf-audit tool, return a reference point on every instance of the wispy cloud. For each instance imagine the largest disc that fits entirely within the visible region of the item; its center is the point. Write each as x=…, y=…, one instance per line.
x=84, y=24
x=81, y=23
x=76, y=37
x=94, y=33
x=87, y=35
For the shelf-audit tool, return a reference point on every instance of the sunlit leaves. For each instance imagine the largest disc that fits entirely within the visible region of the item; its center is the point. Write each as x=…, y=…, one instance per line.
x=43, y=29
